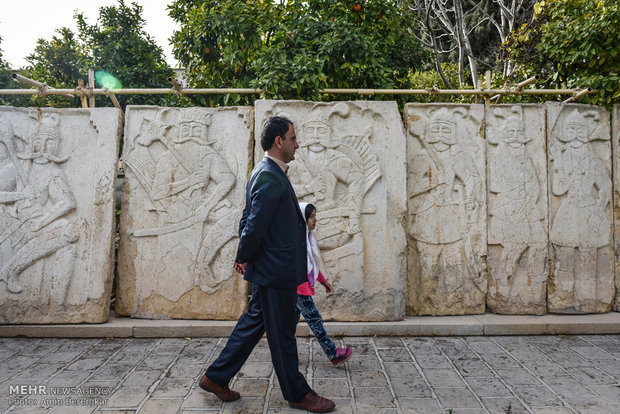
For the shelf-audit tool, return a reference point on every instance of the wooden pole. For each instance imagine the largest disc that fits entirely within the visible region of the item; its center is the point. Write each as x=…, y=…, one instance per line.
x=91, y=88
x=82, y=93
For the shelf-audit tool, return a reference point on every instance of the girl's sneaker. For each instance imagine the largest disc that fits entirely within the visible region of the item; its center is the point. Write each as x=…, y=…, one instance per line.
x=342, y=354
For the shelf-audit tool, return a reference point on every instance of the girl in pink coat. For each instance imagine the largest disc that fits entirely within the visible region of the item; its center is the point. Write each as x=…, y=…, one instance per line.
x=305, y=291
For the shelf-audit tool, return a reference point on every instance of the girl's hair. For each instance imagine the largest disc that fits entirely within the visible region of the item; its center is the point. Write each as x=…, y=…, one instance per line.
x=309, y=209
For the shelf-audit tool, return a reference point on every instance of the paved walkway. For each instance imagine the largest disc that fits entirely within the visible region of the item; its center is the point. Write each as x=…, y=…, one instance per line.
x=467, y=374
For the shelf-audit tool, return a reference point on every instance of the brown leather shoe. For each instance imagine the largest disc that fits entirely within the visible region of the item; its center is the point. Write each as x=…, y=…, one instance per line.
x=224, y=393
x=314, y=403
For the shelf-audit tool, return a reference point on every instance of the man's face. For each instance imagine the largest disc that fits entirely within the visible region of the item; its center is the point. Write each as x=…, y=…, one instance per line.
x=316, y=133
x=191, y=130
x=514, y=136
x=442, y=134
x=288, y=145
x=576, y=134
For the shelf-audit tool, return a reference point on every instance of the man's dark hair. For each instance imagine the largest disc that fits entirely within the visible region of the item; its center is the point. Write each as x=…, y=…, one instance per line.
x=275, y=126
x=308, y=211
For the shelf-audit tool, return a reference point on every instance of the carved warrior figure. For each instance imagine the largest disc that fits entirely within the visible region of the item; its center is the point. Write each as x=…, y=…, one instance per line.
x=45, y=222
x=516, y=222
x=580, y=226
x=335, y=173
x=445, y=193
x=187, y=186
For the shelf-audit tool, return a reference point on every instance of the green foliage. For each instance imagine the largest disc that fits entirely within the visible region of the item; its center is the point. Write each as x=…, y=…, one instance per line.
x=116, y=44
x=57, y=63
x=572, y=44
x=431, y=80
x=293, y=50
x=119, y=46
x=6, y=82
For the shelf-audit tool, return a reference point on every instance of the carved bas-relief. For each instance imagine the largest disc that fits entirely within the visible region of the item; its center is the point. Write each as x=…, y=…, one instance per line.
x=582, y=274
x=351, y=165
x=180, y=212
x=447, y=210
x=57, y=173
x=517, y=209
x=615, y=143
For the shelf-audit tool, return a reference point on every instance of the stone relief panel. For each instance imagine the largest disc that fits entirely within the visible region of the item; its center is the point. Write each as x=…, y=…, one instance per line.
x=351, y=166
x=615, y=143
x=580, y=189
x=447, y=209
x=517, y=258
x=185, y=172
x=57, y=177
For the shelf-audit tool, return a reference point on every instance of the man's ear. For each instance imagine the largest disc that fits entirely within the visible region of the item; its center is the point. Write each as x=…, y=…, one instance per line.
x=276, y=143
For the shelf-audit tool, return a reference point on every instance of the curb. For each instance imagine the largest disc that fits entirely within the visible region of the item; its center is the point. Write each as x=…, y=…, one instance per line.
x=467, y=325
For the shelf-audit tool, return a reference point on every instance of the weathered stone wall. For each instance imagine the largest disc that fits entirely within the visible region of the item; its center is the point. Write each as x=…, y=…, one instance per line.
x=451, y=210
x=185, y=173
x=350, y=165
x=57, y=175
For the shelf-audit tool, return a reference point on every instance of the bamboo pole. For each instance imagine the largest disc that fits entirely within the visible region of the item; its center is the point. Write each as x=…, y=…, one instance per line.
x=248, y=91
x=518, y=87
x=578, y=95
x=41, y=87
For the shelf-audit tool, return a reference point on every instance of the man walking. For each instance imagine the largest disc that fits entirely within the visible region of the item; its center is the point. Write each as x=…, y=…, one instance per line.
x=271, y=256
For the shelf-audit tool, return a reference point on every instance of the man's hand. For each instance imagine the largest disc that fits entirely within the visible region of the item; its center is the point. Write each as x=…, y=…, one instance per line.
x=328, y=287
x=240, y=267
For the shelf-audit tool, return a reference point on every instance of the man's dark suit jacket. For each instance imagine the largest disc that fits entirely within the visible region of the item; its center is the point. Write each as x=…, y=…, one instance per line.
x=272, y=230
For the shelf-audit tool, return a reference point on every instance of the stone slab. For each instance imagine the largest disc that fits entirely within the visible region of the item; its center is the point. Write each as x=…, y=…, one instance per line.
x=185, y=173
x=447, y=207
x=581, y=276
x=351, y=166
x=476, y=325
x=607, y=323
x=58, y=170
x=517, y=259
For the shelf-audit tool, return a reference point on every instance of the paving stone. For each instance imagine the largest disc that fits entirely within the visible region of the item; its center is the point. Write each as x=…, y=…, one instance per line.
x=409, y=387
x=394, y=355
x=572, y=387
x=256, y=369
x=475, y=368
x=504, y=405
x=436, y=360
x=367, y=398
x=363, y=364
x=591, y=375
x=127, y=397
x=173, y=387
x=252, y=387
x=388, y=342
x=537, y=396
x=368, y=379
x=443, y=378
x=419, y=406
x=489, y=387
x=200, y=399
x=332, y=387
x=518, y=376
x=452, y=398
x=141, y=379
x=154, y=406
x=401, y=369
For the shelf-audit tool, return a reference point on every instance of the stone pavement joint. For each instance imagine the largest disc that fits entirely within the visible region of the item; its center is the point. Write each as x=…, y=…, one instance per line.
x=386, y=374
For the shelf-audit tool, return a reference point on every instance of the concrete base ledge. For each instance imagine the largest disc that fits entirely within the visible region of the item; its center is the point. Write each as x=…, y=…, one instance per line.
x=487, y=324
